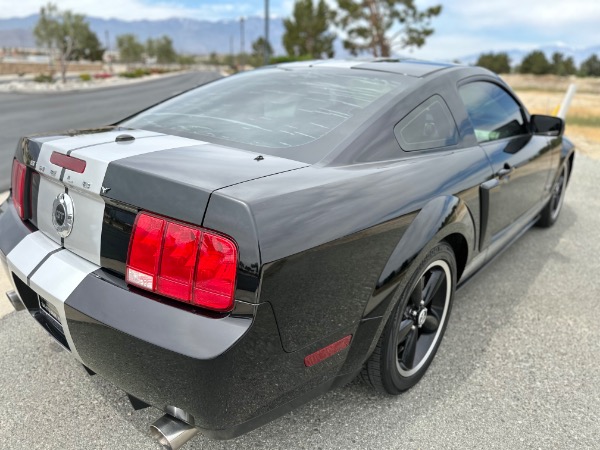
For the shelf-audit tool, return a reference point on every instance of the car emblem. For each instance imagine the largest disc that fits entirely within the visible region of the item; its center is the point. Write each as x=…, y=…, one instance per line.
x=422, y=317
x=63, y=214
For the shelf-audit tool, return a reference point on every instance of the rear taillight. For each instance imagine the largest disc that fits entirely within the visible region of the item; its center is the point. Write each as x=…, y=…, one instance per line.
x=182, y=262
x=19, y=172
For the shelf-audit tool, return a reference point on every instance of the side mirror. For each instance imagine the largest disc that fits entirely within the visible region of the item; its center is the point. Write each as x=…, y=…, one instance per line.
x=547, y=125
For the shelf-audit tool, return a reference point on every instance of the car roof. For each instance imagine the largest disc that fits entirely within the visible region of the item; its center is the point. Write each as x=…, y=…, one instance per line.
x=408, y=67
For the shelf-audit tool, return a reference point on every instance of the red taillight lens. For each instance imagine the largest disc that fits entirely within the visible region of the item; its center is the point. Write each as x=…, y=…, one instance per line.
x=178, y=262
x=144, y=251
x=215, y=275
x=182, y=262
x=19, y=172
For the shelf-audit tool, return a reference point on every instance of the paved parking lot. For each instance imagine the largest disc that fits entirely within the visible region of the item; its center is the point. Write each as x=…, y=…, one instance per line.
x=518, y=368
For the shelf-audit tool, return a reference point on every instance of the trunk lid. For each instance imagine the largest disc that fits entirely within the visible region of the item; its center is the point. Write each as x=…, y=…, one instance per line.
x=168, y=175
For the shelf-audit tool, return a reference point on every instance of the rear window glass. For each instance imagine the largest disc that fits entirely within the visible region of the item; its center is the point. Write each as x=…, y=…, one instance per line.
x=430, y=125
x=273, y=108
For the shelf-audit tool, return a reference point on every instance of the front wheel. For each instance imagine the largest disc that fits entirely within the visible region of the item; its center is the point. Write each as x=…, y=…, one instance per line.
x=552, y=209
x=416, y=327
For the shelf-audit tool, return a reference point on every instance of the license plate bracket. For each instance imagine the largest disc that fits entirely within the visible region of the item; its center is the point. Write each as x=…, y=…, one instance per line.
x=50, y=311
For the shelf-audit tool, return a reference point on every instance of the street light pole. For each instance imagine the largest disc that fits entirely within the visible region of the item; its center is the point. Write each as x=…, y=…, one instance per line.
x=266, y=49
x=242, y=44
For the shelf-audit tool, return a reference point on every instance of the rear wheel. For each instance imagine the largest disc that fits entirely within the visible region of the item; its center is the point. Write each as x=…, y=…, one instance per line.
x=552, y=209
x=416, y=327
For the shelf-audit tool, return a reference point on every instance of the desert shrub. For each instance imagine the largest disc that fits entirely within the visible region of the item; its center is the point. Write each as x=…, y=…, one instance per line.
x=43, y=78
x=85, y=77
x=136, y=73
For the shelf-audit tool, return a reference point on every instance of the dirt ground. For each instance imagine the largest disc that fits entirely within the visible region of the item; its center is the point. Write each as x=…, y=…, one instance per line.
x=543, y=95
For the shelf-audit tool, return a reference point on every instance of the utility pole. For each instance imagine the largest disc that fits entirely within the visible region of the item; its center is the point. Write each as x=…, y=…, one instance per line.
x=242, y=44
x=231, y=51
x=108, y=56
x=266, y=49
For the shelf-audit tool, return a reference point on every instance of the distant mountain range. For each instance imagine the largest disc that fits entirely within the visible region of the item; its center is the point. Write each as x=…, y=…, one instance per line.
x=202, y=37
x=189, y=36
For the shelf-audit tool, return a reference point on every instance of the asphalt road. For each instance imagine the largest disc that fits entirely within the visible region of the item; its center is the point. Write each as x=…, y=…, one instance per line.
x=23, y=114
x=518, y=368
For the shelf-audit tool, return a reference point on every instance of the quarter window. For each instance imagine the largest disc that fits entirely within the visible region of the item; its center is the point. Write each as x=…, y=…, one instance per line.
x=493, y=112
x=430, y=125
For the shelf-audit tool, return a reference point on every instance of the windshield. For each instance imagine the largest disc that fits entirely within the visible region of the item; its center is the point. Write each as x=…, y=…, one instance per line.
x=273, y=108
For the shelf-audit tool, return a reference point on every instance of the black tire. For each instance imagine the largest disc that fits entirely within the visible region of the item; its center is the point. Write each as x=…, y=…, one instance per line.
x=552, y=209
x=402, y=357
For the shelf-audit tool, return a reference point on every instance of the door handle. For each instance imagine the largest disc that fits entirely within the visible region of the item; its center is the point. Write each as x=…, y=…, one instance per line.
x=506, y=170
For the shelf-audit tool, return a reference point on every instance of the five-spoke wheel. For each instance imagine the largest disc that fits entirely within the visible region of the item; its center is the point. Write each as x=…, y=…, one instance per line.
x=414, y=330
x=424, y=312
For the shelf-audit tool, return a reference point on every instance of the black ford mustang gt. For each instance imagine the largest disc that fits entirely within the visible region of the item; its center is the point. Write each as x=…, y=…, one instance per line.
x=241, y=248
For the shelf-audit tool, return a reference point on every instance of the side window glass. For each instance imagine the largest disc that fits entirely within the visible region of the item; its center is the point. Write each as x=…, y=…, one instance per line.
x=430, y=125
x=493, y=112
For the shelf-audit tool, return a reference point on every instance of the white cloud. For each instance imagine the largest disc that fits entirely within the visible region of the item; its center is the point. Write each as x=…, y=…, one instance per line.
x=475, y=26
x=542, y=15
x=130, y=9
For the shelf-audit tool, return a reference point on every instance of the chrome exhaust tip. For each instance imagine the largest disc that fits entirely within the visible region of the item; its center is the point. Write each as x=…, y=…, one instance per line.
x=15, y=300
x=172, y=433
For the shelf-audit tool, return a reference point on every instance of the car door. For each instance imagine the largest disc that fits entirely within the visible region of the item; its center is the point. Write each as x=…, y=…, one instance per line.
x=520, y=160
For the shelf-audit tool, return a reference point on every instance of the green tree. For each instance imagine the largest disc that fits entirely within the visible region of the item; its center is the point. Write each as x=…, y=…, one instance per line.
x=535, y=63
x=496, y=62
x=62, y=33
x=258, y=47
x=165, y=53
x=130, y=49
x=306, y=32
x=368, y=25
x=562, y=66
x=150, y=48
x=590, y=67
x=89, y=48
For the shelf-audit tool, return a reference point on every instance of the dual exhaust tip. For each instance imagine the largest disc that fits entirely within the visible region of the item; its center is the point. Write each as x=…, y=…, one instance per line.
x=172, y=433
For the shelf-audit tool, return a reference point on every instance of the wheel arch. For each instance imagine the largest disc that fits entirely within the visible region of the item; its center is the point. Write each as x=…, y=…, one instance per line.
x=459, y=245
x=443, y=219
x=567, y=155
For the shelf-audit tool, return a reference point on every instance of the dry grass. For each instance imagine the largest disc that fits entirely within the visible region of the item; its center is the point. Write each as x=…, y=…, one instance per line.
x=542, y=95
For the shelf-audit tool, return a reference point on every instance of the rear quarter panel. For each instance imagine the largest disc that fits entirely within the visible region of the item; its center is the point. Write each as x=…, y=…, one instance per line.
x=327, y=233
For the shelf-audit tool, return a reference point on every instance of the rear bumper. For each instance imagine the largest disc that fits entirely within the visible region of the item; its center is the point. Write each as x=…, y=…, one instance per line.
x=229, y=372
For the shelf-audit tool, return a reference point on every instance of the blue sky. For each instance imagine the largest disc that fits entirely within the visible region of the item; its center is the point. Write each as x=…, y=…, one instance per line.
x=465, y=26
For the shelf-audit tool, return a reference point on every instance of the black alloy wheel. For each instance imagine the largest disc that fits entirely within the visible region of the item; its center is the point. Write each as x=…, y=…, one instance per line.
x=553, y=208
x=416, y=327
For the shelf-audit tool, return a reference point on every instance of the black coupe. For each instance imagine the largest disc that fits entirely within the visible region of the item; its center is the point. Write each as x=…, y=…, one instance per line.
x=238, y=249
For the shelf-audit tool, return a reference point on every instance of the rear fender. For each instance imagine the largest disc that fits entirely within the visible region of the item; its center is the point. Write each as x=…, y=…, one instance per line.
x=439, y=219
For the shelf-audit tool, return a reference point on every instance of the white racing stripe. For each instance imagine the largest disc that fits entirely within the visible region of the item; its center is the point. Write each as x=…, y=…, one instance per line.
x=67, y=144
x=56, y=279
x=39, y=260
x=55, y=273
x=98, y=151
x=86, y=237
x=47, y=192
x=99, y=157
x=29, y=253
